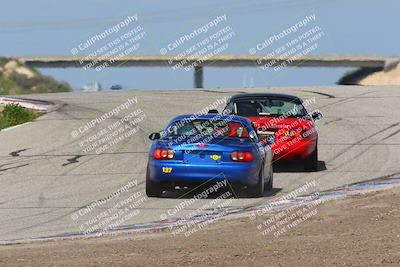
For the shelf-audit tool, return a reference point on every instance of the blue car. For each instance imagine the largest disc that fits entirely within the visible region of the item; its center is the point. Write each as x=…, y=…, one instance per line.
x=213, y=147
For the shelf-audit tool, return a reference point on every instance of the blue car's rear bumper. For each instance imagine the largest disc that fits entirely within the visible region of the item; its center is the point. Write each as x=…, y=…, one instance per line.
x=239, y=172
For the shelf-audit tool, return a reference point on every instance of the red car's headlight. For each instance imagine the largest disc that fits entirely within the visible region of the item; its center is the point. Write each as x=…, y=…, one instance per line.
x=307, y=133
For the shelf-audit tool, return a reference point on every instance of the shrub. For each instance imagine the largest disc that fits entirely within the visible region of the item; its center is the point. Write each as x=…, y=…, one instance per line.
x=14, y=114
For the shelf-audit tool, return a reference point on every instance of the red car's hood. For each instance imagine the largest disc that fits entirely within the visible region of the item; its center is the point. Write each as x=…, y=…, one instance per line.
x=285, y=129
x=277, y=123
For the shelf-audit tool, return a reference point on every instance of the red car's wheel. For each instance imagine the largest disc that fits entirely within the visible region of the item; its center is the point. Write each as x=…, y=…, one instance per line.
x=311, y=162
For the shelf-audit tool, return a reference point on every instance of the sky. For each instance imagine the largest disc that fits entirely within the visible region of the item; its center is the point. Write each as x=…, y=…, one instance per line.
x=48, y=27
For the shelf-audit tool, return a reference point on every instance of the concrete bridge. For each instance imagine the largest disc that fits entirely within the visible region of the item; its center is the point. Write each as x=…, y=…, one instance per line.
x=198, y=63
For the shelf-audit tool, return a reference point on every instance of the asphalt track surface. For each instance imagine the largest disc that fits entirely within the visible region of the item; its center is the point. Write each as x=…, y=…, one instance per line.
x=45, y=177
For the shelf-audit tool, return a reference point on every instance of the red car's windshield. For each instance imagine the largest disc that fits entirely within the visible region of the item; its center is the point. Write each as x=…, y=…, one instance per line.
x=268, y=107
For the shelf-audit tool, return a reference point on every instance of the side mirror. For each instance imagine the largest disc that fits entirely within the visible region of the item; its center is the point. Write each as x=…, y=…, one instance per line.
x=154, y=136
x=316, y=115
x=213, y=111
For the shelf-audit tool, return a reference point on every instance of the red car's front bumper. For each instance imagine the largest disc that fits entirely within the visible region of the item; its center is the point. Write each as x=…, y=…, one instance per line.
x=298, y=149
x=295, y=138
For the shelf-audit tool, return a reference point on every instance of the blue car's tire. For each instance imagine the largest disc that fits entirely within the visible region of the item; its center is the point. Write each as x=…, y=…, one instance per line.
x=270, y=184
x=258, y=189
x=153, y=189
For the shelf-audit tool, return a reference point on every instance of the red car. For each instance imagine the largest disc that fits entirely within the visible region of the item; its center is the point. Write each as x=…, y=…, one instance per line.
x=284, y=118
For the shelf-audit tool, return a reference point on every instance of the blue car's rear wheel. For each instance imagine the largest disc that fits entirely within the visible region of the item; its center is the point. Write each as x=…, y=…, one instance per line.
x=270, y=184
x=258, y=189
x=153, y=189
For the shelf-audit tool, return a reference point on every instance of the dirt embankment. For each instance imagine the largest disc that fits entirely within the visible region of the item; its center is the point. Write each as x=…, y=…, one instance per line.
x=359, y=231
x=17, y=78
x=372, y=76
x=389, y=77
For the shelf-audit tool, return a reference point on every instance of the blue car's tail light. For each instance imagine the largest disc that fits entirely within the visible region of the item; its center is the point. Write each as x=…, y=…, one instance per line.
x=242, y=156
x=161, y=153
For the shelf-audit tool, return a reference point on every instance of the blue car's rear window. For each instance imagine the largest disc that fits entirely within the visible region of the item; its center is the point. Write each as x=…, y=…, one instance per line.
x=201, y=127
